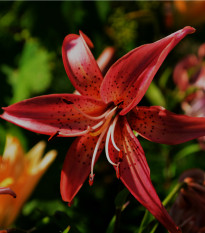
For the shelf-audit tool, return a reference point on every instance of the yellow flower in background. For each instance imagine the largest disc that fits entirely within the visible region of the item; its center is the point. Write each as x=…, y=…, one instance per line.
x=21, y=172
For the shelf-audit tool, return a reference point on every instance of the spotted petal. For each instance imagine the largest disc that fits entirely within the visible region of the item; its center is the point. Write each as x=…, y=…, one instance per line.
x=52, y=113
x=77, y=165
x=80, y=65
x=134, y=173
x=129, y=78
x=159, y=125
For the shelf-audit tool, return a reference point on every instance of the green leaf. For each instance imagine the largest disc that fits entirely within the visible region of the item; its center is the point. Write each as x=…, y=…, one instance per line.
x=155, y=96
x=164, y=78
x=188, y=150
x=120, y=206
x=121, y=198
x=2, y=139
x=67, y=229
x=103, y=8
x=33, y=75
x=111, y=225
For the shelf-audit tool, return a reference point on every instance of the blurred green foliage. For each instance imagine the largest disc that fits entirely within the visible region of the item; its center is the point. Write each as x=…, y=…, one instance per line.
x=33, y=75
x=31, y=35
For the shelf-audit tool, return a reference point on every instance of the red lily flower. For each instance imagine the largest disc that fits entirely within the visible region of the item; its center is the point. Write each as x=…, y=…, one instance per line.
x=99, y=116
x=190, y=71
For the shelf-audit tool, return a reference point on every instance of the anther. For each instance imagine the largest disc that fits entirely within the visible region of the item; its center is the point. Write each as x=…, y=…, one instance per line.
x=70, y=203
x=6, y=190
x=118, y=170
x=54, y=135
x=91, y=179
x=111, y=113
x=120, y=155
x=121, y=102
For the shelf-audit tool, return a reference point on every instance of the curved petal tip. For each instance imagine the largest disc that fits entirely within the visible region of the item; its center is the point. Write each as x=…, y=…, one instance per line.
x=189, y=29
x=86, y=39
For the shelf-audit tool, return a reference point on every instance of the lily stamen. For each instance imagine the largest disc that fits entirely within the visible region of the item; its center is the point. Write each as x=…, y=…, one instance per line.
x=118, y=170
x=85, y=114
x=95, y=154
x=76, y=134
x=91, y=179
x=92, y=128
x=120, y=155
x=54, y=135
x=106, y=147
x=112, y=133
x=110, y=112
x=112, y=137
x=105, y=123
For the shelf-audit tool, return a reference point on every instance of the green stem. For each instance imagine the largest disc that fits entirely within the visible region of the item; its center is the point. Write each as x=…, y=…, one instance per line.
x=165, y=203
x=144, y=220
x=175, y=190
x=117, y=220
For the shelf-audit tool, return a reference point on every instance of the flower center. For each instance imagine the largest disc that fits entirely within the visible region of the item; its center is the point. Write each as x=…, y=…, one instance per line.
x=105, y=126
x=109, y=129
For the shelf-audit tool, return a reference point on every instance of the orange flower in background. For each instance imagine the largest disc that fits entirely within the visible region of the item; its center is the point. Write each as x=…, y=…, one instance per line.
x=181, y=13
x=190, y=71
x=190, y=11
x=20, y=172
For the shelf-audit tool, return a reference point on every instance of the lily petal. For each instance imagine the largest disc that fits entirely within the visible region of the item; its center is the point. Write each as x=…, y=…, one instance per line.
x=77, y=165
x=134, y=173
x=106, y=59
x=52, y=113
x=80, y=65
x=159, y=125
x=129, y=78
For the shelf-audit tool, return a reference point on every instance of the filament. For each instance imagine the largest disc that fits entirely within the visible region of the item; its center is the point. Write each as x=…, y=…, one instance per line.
x=75, y=134
x=95, y=151
x=112, y=133
x=106, y=147
x=92, y=117
x=105, y=122
x=85, y=114
x=110, y=112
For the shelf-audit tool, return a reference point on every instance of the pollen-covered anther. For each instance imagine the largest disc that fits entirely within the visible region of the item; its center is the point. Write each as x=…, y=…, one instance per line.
x=53, y=136
x=120, y=155
x=118, y=170
x=119, y=103
x=70, y=203
x=91, y=179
